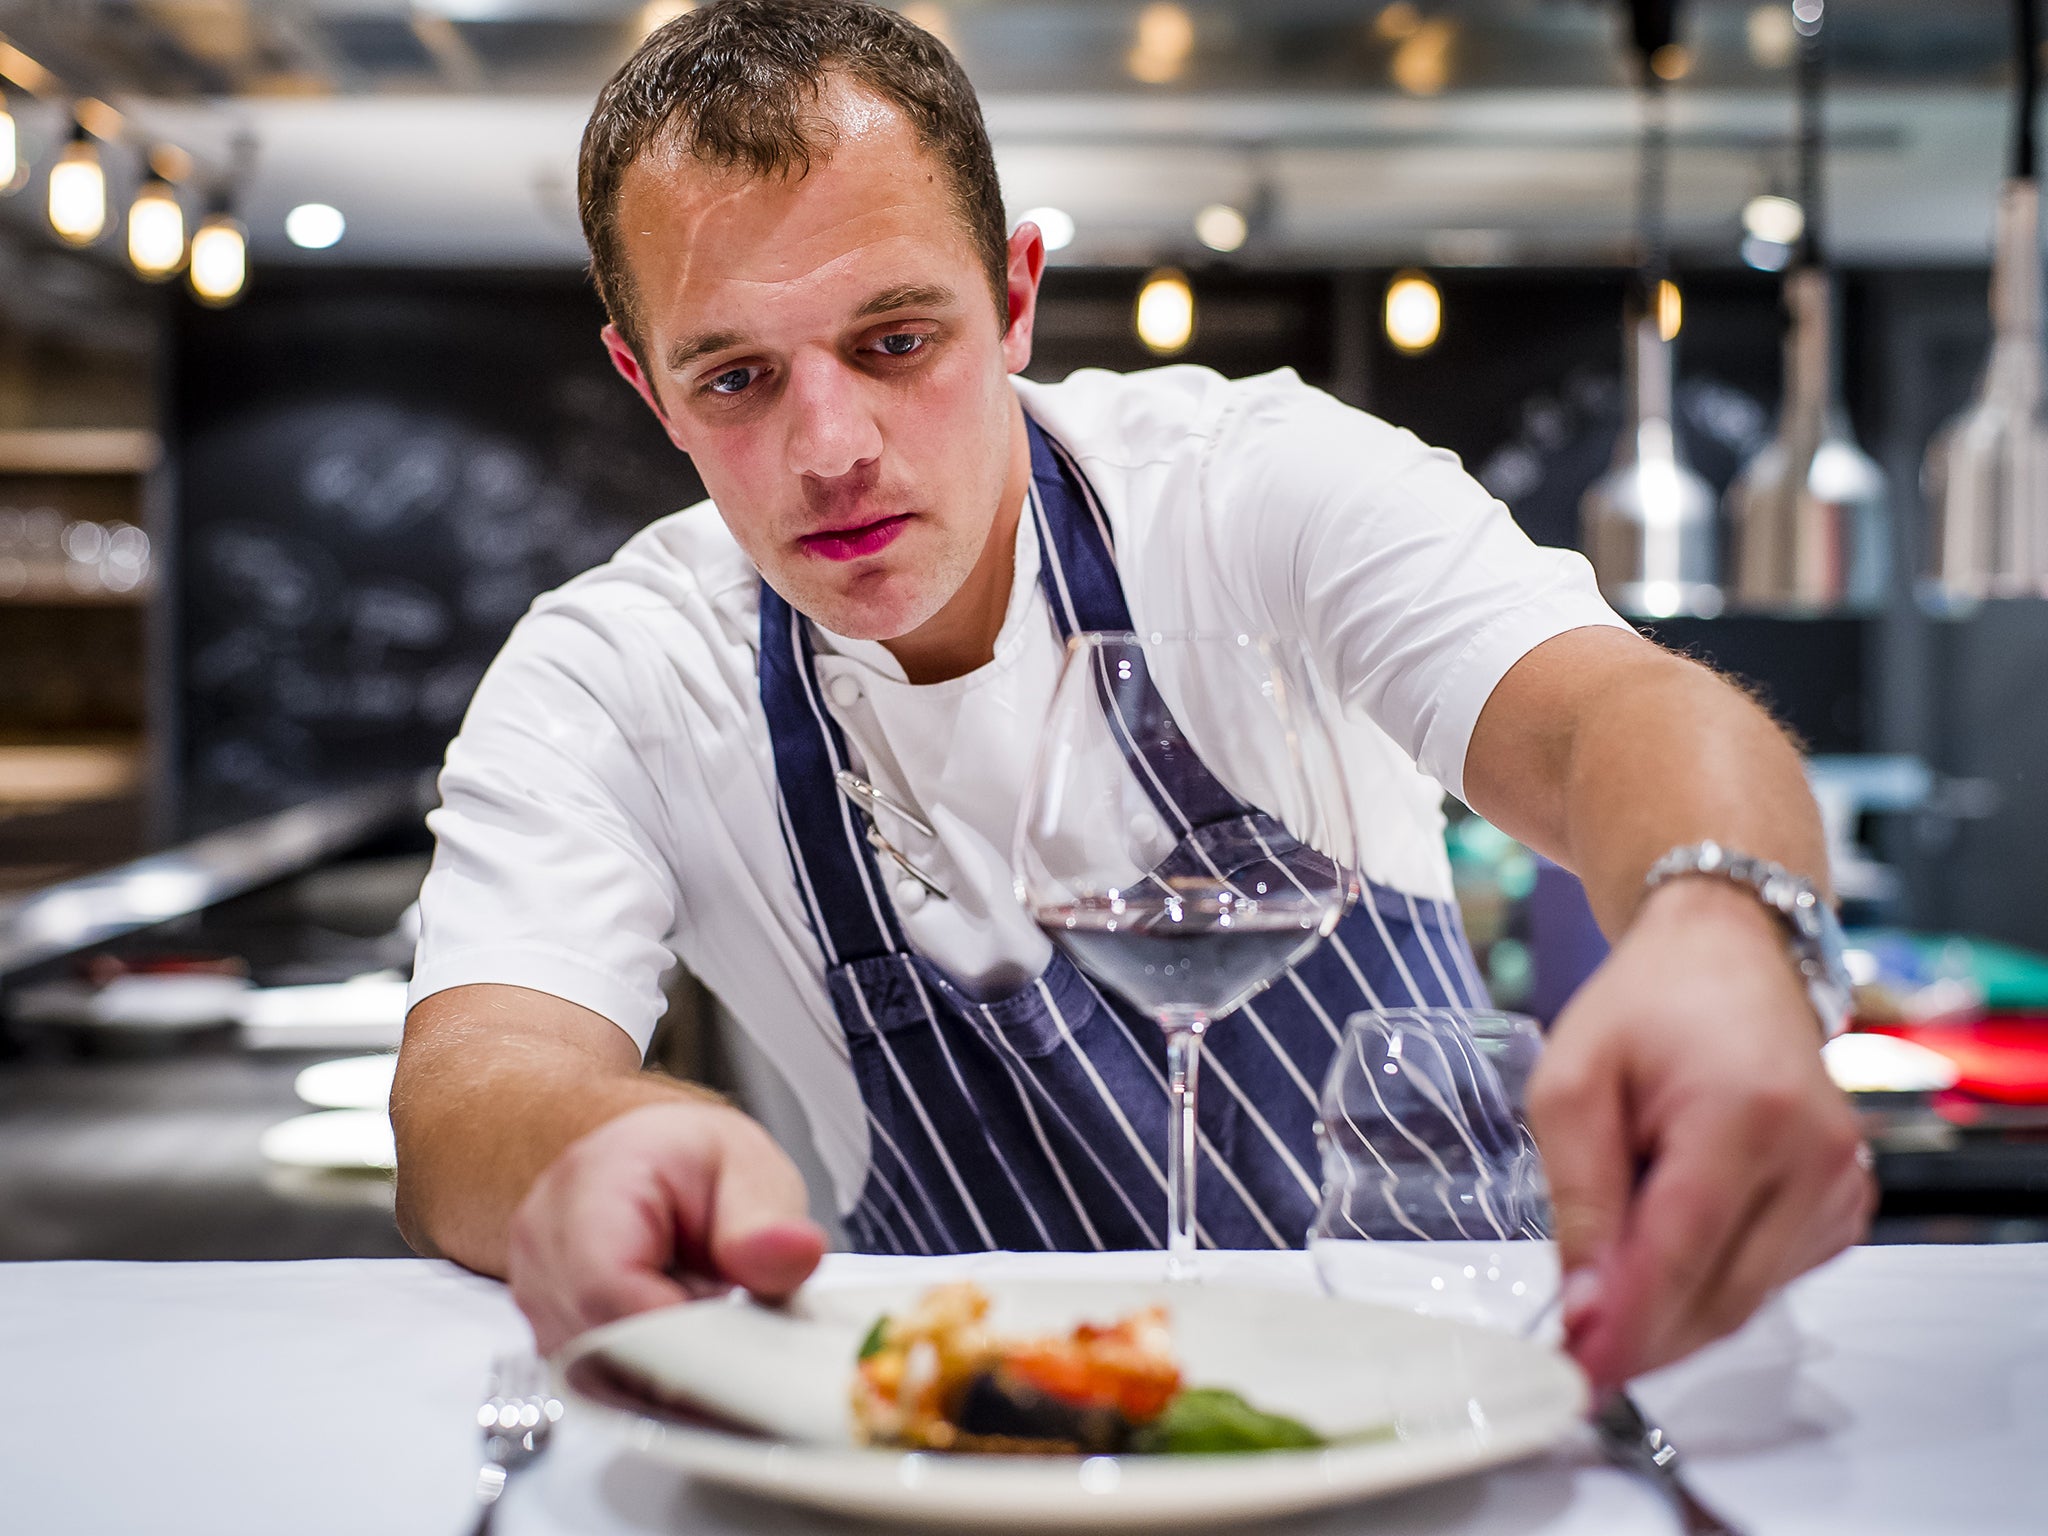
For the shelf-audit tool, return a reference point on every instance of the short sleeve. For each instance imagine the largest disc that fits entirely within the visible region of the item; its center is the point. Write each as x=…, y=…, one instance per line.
x=546, y=871
x=1414, y=587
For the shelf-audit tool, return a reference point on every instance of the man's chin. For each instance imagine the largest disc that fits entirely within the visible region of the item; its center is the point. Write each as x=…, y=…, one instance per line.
x=881, y=615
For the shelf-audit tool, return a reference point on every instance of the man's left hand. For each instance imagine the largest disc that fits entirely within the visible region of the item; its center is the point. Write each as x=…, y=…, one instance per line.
x=1699, y=1157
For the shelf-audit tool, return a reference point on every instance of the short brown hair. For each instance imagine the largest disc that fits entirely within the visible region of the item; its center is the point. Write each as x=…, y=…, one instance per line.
x=730, y=84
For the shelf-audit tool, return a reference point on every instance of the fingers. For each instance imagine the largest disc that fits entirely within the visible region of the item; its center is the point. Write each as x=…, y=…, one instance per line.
x=1577, y=1111
x=760, y=1232
x=1703, y=1185
x=662, y=1205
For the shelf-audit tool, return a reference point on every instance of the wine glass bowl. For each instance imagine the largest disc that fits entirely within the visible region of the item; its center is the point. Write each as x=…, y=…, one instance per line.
x=1185, y=837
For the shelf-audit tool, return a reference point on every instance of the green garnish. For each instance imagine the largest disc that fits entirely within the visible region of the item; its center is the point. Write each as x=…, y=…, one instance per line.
x=872, y=1344
x=1207, y=1421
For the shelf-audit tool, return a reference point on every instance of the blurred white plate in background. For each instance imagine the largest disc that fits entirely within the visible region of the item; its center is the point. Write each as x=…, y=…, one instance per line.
x=171, y=1000
x=348, y=1139
x=1886, y=1064
x=366, y=1012
x=353, y=1082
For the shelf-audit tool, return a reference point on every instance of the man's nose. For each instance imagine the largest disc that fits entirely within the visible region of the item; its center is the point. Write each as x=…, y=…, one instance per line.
x=831, y=430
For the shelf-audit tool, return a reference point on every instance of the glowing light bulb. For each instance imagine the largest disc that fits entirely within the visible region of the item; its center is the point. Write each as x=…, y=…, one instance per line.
x=1778, y=220
x=78, y=192
x=314, y=226
x=1670, y=309
x=1221, y=227
x=1166, y=312
x=10, y=147
x=1414, y=313
x=156, y=230
x=220, y=259
x=1421, y=64
x=1165, y=40
x=657, y=14
x=1056, y=225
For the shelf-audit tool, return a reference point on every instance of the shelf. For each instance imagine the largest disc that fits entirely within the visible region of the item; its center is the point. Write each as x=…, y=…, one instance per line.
x=48, y=595
x=78, y=451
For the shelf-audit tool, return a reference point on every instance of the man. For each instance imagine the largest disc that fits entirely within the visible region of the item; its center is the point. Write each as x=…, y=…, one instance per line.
x=796, y=228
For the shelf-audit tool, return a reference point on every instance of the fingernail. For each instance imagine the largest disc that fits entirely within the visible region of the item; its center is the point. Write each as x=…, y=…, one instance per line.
x=1579, y=1295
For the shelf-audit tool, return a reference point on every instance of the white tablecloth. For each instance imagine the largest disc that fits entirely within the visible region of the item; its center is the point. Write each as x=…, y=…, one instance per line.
x=1898, y=1390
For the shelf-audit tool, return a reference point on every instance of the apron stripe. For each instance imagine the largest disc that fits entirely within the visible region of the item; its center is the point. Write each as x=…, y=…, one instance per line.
x=1453, y=930
x=1443, y=978
x=1279, y=1054
x=815, y=912
x=909, y=1220
x=1102, y=1088
x=885, y=917
x=1314, y=1005
x=924, y=1119
x=1343, y=952
x=974, y=1113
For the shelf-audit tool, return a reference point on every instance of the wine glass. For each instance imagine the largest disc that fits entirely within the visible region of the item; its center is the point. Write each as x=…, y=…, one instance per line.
x=1185, y=836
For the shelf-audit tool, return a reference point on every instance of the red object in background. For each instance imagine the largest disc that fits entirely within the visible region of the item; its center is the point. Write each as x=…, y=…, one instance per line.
x=2003, y=1058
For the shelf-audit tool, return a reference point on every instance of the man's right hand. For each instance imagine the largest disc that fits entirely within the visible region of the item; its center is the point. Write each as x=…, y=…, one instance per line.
x=664, y=1203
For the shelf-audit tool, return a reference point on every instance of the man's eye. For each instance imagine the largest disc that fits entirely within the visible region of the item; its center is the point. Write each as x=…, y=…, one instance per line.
x=902, y=344
x=730, y=382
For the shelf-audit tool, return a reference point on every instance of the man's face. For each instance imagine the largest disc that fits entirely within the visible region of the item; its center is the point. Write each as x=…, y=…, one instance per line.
x=827, y=351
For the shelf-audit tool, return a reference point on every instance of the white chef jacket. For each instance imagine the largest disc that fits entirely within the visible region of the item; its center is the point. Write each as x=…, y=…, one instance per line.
x=609, y=807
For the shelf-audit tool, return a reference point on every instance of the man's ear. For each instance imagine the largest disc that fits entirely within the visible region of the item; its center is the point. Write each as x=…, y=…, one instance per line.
x=1027, y=266
x=628, y=364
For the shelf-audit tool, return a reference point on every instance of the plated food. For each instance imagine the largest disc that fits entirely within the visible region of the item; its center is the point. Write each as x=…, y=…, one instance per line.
x=758, y=1398
x=938, y=1378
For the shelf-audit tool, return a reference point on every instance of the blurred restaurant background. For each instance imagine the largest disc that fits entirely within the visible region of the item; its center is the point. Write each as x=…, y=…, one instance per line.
x=302, y=403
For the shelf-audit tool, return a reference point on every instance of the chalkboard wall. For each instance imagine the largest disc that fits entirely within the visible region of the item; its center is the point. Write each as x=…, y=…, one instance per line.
x=375, y=475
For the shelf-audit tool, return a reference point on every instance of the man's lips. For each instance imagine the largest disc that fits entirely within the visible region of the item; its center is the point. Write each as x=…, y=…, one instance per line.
x=853, y=543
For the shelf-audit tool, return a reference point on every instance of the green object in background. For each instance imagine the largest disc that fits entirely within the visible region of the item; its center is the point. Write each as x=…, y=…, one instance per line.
x=2013, y=980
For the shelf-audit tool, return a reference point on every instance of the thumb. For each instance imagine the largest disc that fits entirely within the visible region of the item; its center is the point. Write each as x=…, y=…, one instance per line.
x=1579, y=1118
x=760, y=1231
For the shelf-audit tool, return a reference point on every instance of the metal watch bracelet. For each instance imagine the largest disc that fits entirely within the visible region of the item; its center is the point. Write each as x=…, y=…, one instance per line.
x=1813, y=932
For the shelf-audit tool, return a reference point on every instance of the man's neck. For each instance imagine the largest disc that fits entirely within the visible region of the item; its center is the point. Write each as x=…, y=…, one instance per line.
x=962, y=635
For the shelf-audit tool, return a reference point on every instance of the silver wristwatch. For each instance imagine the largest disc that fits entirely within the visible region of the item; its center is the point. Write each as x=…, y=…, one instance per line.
x=1815, y=933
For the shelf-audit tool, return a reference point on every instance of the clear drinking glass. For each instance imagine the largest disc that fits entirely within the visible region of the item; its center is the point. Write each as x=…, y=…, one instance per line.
x=1149, y=872
x=1433, y=1192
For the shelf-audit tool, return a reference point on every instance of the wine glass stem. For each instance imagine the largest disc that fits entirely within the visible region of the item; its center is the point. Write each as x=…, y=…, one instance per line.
x=1183, y=1059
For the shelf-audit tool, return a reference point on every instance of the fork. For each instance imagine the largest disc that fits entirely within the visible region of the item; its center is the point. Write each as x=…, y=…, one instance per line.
x=517, y=1415
x=1632, y=1442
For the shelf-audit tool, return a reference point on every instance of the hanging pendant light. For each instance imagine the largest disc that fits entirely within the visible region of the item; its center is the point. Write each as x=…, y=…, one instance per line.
x=219, y=266
x=10, y=148
x=1808, y=512
x=1648, y=523
x=1987, y=471
x=78, y=191
x=156, y=230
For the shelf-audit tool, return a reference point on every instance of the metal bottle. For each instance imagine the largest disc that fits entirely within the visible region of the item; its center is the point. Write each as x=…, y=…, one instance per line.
x=1987, y=471
x=1648, y=523
x=1808, y=512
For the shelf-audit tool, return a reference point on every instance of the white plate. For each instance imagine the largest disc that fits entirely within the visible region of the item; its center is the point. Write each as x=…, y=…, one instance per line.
x=352, y=1082
x=347, y=1139
x=1457, y=1398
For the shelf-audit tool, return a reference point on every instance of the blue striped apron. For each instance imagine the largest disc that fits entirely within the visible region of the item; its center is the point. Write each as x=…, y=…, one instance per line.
x=1038, y=1119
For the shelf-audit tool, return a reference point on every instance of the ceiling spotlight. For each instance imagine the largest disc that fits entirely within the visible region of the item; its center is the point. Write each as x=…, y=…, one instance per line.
x=1772, y=37
x=156, y=230
x=932, y=18
x=314, y=226
x=657, y=14
x=220, y=259
x=1056, y=225
x=1671, y=62
x=1778, y=220
x=1766, y=255
x=1670, y=309
x=1413, y=313
x=1221, y=227
x=78, y=191
x=1422, y=62
x=1396, y=21
x=10, y=151
x=1166, y=312
x=1165, y=40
